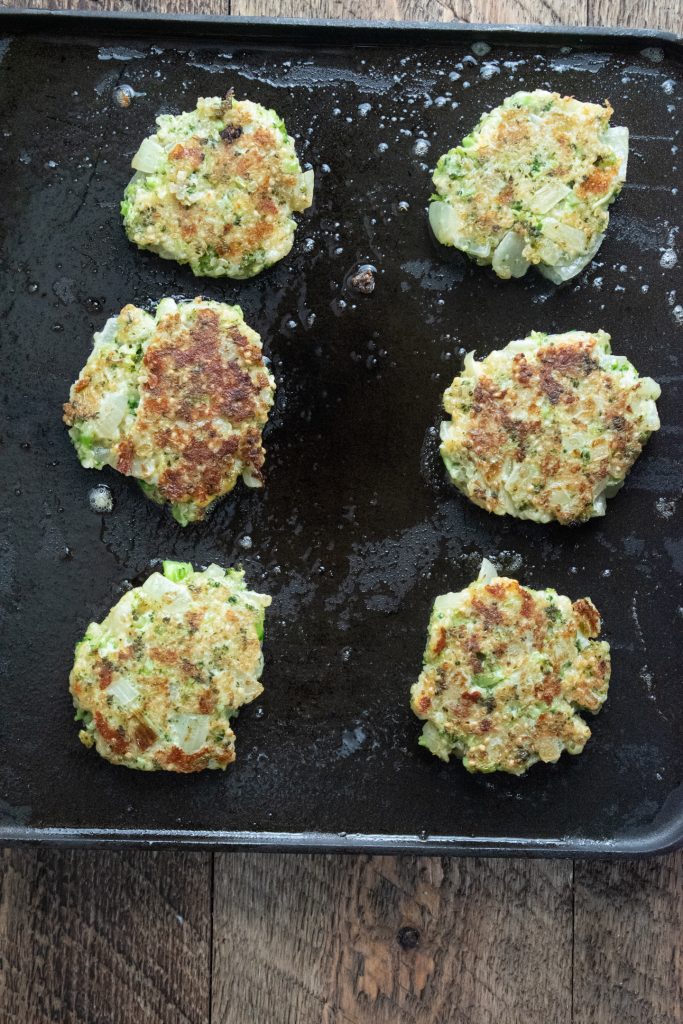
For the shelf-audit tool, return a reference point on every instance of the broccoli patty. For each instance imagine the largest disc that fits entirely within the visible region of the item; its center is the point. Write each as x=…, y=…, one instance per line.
x=177, y=400
x=506, y=671
x=531, y=185
x=156, y=683
x=216, y=188
x=548, y=427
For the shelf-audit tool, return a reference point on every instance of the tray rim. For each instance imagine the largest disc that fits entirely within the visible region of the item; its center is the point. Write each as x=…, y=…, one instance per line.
x=658, y=841
x=267, y=28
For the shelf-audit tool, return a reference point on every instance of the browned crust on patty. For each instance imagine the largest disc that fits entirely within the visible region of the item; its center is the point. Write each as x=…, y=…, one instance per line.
x=534, y=420
x=493, y=659
x=201, y=396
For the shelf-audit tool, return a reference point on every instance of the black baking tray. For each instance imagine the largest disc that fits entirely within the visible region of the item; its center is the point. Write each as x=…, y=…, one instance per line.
x=357, y=529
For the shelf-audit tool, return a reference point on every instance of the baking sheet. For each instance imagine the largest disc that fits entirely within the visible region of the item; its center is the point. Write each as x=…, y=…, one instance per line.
x=357, y=529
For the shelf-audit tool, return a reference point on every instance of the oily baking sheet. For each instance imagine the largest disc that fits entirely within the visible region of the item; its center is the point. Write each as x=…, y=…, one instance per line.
x=357, y=529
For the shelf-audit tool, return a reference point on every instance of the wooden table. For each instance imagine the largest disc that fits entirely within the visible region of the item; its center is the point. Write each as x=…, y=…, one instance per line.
x=257, y=938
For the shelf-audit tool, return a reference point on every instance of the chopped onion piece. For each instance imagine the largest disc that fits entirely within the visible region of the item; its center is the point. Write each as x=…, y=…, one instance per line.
x=176, y=572
x=445, y=604
x=564, y=272
x=157, y=585
x=149, y=157
x=482, y=252
x=214, y=571
x=600, y=504
x=124, y=691
x=613, y=488
x=508, y=260
x=651, y=421
x=250, y=480
x=108, y=332
x=487, y=572
x=119, y=616
x=189, y=732
x=308, y=180
x=166, y=308
x=444, y=223
x=112, y=410
x=572, y=238
x=436, y=742
x=446, y=227
x=470, y=366
x=549, y=252
x=649, y=388
x=548, y=196
x=617, y=139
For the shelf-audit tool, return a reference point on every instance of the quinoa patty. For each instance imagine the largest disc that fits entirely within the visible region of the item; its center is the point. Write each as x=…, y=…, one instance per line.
x=216, y=188
x=548, y=427
x=156, y=683
x=506, y=671
x=177, y=400
x=531, y=185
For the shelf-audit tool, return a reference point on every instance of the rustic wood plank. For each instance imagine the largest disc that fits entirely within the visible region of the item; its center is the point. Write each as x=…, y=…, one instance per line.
x=161, y=6
x=549, y=12
x=389, y=940
x=628, y=942
x=104, y=938
x=666, y=15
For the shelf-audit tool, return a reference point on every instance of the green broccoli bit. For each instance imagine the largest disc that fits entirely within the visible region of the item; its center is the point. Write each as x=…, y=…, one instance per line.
x=151, y=492
x=177, y=571
x=252, y=262
x=206, y=262
x=80, y=439
x=183, y=514
x=436, y=741
x=487, y=679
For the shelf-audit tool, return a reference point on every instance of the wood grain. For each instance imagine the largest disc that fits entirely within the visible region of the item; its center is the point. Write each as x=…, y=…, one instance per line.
x=390, y=940
x=665, y=15
x=628, y=942
x=221, y=7
x=104, y=938
x=549, y=12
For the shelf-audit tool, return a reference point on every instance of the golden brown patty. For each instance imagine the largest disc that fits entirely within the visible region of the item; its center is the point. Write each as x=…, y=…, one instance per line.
x=178, y=401
x=216, y=188
x=548, y=427
x=506, y=671
x=157, y=682
x=531, y=185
